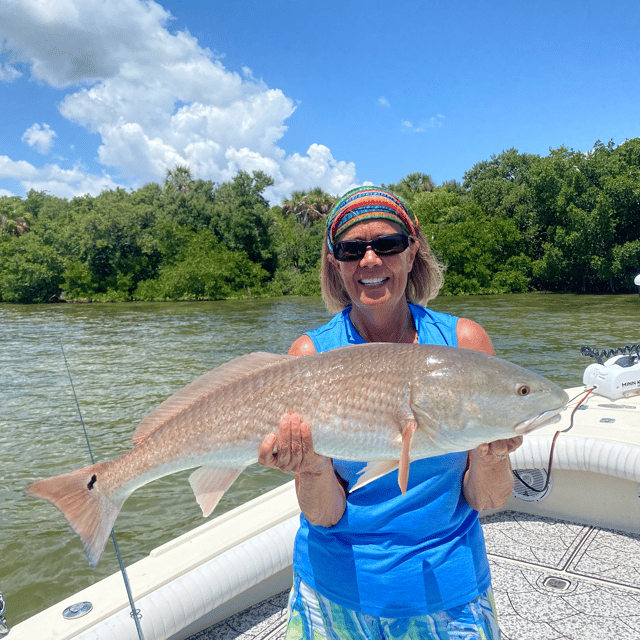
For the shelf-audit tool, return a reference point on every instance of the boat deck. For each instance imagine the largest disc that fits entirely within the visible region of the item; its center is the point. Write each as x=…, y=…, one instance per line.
x=552, y=580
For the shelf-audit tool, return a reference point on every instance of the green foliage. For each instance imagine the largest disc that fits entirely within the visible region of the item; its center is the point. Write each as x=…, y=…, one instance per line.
x=178, y=179
x=411, y=186
x=13, y=216
x=189, y=206
x=298, y=247
x=575, y=212
x=309, y=206
x=116, y=244
x=204, y=270
x=30, y=271
x=569, y=221
x=241, y=217
x=444, y=207
x=482, y=256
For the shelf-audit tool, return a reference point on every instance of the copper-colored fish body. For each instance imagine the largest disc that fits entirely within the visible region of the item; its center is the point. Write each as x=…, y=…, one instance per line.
x=375, y=403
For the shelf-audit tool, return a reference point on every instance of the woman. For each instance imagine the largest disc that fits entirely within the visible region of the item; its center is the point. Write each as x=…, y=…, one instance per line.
x=374, y=563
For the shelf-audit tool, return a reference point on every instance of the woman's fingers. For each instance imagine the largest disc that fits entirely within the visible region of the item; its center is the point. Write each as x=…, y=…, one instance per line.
x=291, y=449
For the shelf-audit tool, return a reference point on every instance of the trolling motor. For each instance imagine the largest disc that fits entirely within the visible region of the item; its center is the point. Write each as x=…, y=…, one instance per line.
x=4, y=630
x=616, y=377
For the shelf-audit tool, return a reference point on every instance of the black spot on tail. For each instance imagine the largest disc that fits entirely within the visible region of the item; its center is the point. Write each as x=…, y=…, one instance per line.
x=94, y=478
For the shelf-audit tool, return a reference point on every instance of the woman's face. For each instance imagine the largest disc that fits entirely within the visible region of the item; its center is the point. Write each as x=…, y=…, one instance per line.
x=375, y=280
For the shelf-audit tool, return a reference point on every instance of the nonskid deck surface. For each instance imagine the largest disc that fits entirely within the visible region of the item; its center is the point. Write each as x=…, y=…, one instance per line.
x=264, y=621
x=552, y=580
x=555, y=580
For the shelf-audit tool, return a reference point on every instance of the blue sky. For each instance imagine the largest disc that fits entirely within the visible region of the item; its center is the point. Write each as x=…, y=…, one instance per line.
x=333, y=94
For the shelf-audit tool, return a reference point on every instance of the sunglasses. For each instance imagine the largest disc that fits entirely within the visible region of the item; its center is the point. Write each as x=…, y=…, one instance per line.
x=351, y=250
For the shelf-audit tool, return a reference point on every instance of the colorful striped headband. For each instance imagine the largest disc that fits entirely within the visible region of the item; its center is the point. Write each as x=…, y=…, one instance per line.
x=368, y=203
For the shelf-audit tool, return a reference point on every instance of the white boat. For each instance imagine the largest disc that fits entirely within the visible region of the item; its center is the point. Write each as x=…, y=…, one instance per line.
x=220, y=568
x=565, y=557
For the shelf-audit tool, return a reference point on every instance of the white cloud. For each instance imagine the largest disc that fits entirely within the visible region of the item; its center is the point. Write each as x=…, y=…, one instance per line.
x=431, y=123
x=8, y=72
x=383, y=102
x=63, y=41
x=40, y=137
x=16, y=170
x=158, y=98
x=318, y=168
x=64, y=183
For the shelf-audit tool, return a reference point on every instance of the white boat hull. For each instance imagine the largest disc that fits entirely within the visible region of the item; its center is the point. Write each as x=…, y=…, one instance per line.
x=188, y=584
x=596, y=465
x=245, y=555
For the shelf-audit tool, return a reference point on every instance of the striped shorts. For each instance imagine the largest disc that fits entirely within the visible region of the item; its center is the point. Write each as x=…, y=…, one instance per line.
x=313, y=617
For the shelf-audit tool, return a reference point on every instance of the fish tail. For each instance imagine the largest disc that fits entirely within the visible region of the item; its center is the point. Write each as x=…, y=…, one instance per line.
x=90, y=511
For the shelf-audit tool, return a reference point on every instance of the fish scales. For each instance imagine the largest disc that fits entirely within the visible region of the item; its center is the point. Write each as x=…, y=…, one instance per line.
x=246, y=410
x=360, y=401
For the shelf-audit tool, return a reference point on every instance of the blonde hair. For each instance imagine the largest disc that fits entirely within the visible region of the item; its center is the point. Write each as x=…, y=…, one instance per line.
x=423, y=283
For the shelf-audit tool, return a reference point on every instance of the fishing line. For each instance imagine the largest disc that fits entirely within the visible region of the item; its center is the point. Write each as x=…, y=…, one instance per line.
x=135, y=613
x=553, y=446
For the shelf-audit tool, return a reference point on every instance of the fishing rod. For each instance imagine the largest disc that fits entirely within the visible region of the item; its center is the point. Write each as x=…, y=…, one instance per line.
x=135, y=613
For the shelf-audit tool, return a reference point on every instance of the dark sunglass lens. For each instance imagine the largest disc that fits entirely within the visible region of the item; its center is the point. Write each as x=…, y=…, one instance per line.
x=350, y=250
x=391, y=244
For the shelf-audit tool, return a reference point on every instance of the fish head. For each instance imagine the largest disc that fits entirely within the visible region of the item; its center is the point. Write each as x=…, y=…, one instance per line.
x=465, y=398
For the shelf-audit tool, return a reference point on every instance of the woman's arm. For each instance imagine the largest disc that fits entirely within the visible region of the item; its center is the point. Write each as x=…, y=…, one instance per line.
x=321, y=496
x=488, y=481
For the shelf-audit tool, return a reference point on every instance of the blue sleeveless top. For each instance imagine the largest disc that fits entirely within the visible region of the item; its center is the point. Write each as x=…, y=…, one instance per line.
x=391, y=555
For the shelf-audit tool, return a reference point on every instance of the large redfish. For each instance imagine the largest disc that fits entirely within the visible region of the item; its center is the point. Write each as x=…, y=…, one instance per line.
x=374, y=402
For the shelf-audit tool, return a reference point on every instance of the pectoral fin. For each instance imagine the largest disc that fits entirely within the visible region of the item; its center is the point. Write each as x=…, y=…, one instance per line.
x=375, y=470
x=407, y=438
x=209, y=484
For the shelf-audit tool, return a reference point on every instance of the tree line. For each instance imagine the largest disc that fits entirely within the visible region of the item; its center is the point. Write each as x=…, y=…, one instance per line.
x=567, y=222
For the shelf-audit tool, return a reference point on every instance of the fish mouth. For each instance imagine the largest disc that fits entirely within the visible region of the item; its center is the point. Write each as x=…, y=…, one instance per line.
x=544, y=419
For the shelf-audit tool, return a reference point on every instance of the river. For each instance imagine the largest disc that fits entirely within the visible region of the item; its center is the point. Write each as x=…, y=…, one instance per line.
x=125, y=359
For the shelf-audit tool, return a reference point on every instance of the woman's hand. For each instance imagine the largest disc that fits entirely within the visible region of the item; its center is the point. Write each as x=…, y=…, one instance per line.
x=488, y=482
x=320, y=494
x=291, y=449
x=499, y=449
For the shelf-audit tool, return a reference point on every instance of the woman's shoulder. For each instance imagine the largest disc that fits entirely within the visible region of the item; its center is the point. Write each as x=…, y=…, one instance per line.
x=472, y=336
x=307, y=343
x=303, y=346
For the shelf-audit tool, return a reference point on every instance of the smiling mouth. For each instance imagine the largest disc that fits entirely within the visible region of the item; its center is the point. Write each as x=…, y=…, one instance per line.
x=372, y=282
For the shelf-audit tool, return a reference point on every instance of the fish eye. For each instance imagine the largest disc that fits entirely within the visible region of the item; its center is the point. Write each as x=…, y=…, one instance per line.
x=523, y=390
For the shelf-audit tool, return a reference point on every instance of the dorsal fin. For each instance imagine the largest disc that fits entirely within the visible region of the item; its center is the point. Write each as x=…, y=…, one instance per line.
x=202, y=386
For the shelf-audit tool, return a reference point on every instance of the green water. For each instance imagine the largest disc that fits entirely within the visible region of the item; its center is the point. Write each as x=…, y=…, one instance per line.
x=125, y=359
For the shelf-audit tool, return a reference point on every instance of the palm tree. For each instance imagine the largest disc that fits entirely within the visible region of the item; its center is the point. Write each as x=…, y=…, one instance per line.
x=179, y=178
x=413, y=184
x=14, y=226
x=308, y=206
